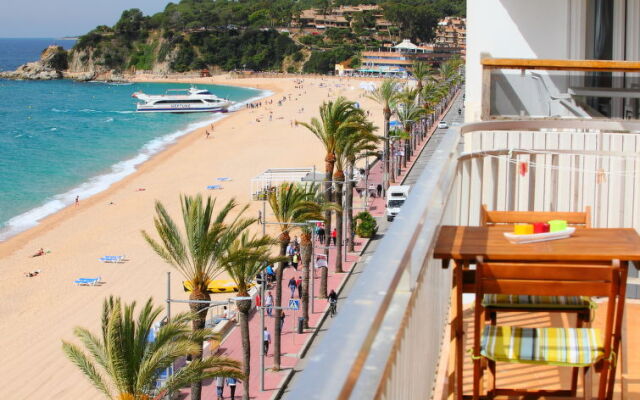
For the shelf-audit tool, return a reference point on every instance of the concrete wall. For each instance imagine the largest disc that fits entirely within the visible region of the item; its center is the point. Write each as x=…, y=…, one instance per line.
x=514, y=29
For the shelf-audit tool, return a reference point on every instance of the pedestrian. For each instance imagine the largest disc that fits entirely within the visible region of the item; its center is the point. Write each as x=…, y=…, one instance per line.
x=295, y=260
x=77, y=201
x=232, y=382
x=266, y=339
x=334, y=236
x=268, y=303
x=292, y=286
x=207, y=134
x=291, y=249
x=282, y=317
x=379, y=190
x=220, y=387
x=299, y=285
x=321, y=234
x=271, y=275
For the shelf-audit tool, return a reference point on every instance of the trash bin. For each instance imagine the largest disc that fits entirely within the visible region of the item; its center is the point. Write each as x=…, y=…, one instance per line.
x=300, y=324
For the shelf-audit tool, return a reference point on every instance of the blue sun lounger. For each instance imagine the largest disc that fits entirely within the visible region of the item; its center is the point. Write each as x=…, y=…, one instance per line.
x=224, y=179
x=87, y=281
x=213, y=187
x=112, y=259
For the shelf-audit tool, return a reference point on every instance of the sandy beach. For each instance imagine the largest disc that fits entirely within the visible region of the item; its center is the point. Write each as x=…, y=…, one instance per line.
x=39, y=312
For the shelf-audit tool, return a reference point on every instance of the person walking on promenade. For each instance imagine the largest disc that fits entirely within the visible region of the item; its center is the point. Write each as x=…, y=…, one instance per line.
x=334, y=236
x=379, y=190
x=232, y=382
x=220, y=387
x=266, y=340
x=268, y=303
x=292, y=286
x=299, y=285
x=321, y=234
x=295, y=259
x=282, y=317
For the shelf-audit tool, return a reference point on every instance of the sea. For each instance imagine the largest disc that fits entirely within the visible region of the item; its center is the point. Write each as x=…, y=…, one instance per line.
x=62, y=139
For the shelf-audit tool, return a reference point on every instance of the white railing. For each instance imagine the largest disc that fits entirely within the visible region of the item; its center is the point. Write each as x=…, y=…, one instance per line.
x=389, y=337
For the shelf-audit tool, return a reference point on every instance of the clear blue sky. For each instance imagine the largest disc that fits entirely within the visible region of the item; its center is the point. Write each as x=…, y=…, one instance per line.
x=57, y=18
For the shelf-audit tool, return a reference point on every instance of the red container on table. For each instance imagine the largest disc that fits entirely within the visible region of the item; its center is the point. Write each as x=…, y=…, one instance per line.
x=541, y=227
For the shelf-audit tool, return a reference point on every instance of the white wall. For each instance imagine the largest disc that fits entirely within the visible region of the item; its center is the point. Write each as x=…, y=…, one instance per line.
x=513, y=29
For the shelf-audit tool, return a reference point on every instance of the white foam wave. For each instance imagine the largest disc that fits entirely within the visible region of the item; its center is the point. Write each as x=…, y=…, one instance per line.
x=99, y=183
x=53, y=129
x=108, y=119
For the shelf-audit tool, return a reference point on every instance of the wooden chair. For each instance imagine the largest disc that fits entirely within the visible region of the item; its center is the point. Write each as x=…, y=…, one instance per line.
x=571, y=347
x=579, y=305
x=488, y=218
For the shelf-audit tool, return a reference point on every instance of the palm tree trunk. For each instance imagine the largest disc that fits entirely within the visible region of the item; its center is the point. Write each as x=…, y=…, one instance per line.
x=330, y=160
x=244, y=306
x=306, y=248
x=284, y=241
x=339, y=178
x=387, y=156
x=200, y=311
x=349, y=207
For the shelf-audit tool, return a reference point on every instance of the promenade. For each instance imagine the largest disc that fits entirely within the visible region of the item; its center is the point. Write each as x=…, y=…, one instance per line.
x=292, y=343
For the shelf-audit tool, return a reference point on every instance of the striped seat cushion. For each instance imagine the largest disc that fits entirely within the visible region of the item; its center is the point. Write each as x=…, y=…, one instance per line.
x=522, y=301
x=573, y=347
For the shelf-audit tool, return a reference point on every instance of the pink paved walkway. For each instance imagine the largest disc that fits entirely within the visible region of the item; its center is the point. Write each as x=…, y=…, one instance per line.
x=291, y=342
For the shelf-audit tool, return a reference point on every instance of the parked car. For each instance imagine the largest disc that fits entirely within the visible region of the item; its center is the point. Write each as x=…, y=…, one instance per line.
x=442, y=125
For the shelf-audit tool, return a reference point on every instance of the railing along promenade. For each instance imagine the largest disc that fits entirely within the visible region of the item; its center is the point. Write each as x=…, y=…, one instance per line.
x=390, y=339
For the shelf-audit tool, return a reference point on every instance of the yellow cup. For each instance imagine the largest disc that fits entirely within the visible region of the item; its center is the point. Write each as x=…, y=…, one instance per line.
x=523, y=229
x=557, y=225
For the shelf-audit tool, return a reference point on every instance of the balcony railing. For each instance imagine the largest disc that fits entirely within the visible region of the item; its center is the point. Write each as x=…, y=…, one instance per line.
x=390, y=340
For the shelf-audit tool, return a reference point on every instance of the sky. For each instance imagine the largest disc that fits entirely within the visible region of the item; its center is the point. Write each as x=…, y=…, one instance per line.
x=58, y=18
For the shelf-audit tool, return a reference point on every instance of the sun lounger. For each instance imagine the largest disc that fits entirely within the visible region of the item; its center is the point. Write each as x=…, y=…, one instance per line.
x=87, y=281
x=112, y=259
x=224, y=179
x=214, y=187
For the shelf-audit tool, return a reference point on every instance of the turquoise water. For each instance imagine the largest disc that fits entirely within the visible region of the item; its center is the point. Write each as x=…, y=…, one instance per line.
x=61, y=139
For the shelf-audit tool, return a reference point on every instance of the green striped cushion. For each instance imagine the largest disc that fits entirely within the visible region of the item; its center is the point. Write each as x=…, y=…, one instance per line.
x=522, y=301
x=574, y=347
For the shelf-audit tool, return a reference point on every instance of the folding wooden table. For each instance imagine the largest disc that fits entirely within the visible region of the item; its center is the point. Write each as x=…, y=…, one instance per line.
x=464, y=243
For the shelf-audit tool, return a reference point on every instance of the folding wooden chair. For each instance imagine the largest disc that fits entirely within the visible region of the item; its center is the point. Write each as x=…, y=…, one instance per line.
x=582, y=306
x=571, y=347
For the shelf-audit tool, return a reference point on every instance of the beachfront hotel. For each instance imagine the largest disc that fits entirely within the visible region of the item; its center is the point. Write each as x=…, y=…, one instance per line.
x=551, y=106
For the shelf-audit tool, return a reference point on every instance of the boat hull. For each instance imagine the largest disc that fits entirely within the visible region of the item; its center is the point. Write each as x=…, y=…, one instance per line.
x=181, y=110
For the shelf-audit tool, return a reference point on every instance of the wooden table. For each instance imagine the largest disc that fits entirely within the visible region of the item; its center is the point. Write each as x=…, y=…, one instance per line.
x=464, y=243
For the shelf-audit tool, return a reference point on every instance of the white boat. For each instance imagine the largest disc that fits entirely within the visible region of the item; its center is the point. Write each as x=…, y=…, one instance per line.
x=182, y=101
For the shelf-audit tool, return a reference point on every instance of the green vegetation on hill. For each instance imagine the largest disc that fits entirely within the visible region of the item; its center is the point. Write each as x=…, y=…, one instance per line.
x=196, y=34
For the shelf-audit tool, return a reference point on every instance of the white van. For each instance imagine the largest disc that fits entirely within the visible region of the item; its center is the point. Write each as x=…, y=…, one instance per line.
x=396, y=196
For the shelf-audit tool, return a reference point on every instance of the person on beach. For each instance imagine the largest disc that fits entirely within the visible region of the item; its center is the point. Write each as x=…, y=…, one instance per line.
x=232, y=382
x=32, y=274
x=266, y=339
x=292, y=286
x=207, y=132
x=268, y=303
x=39, y=253
x=220, y=387
x=77, y=201
x=334, y=236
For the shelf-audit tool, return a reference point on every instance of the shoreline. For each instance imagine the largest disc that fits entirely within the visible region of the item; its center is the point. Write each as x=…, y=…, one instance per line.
x=39, y=312
x=7, y=233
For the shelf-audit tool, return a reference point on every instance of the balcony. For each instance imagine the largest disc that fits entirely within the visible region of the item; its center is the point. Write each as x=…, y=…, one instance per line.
x=392, y=339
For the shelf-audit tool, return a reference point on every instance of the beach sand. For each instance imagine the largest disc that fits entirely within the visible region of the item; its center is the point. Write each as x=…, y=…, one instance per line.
x=39, y=312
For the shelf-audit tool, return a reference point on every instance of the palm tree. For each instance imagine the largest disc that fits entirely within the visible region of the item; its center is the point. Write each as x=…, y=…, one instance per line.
x=245, y=259
x=336, y=117
x=421, y=71
x=362, y=144
x=291, y=204
x=195, y=253
x=123, y=364
x=386, y=96
x=408, y=113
